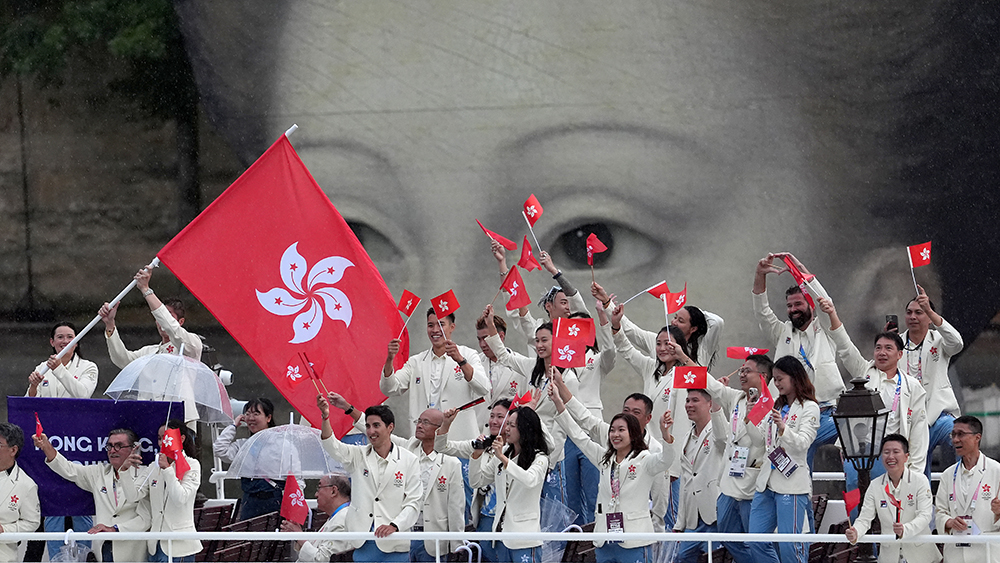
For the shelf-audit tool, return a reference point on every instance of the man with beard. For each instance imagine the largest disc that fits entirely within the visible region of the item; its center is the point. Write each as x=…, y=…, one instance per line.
x=801, y=338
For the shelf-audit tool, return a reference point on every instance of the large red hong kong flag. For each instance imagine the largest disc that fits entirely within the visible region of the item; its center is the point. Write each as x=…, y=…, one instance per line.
x=276, y=264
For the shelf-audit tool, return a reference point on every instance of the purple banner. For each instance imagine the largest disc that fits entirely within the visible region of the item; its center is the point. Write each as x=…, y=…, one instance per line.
x=78, y=428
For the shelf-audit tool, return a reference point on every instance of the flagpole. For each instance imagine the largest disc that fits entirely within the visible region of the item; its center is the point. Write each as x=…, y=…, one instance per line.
x=643, y=291
x=96, y=319
x=291, y=130
x=406, y=322
x=914, y=276
x=495, y=296
x=532, y=231
x=313, y=375
x=667, y=316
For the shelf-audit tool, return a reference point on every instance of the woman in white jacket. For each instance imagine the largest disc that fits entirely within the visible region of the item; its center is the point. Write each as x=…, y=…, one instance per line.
x=784, y=484
x=518, y=470
x=628, y=471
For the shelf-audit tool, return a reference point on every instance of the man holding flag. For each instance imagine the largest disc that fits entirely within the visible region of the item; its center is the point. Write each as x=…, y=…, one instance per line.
x=333, y=496
x=22, y=512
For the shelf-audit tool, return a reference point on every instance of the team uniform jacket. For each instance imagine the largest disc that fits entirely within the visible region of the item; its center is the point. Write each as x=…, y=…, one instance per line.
x=527, y=325
x=78, y=379
x=636, y=476
x=323, y=549
x=115, y=501
x=171, y=505
x=19, y=509
x=929, y=365
x=731, y=415
x=953, y=500
x=801, y=425
x=122, y=356
x=380, y=496
x=708, y=349
x=701, y=467
x=413, y=379
x=504, y=384
x=914, y=494
x=599, y=365
x=522, y=487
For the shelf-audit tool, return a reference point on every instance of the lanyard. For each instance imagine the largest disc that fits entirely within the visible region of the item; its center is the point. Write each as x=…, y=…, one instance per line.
x=736, y=416
x=805, y=359
x=895, y=398
x=699, y=445
x=615, y=483
x=975, y=496
x=339, y=508
x=920, y=359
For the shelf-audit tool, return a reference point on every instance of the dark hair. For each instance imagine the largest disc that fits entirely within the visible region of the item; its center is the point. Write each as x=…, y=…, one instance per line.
x=582, y=315
x=804, y=389
x=449, y=316
x=678, y=336
x=190, y=447
x=896, y=438
x=177, y=305
x=52, y=335
x=14, y=436
x=970, y=421
x=505, y=403
x=538, y=372
x=341, y=481
x=635, y=437
x=894, y=337
x=529, y=427
x=498, y=322
x=644, y=399
x=132, y=436
x=703, y=392
x=383, y=412
x=264, y=405
x=792, y=291
x=929, y=302
x=700, y=324
x=764, y=364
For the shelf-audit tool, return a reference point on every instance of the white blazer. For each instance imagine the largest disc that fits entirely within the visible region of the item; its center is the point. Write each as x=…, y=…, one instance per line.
x=955, y=500
x=800, y=432
x=171, y=505
x=383, y=491
x=115, y=501
x=522, y=487
x=504, y=384
x=78, y=379
x=527, y=325
x=701, y=467
x=19, y=509
x=176, y=335
x=645, y=340
x=413, y=380
x=731, y=414
x=915, y=495
x=321, y=550
x=636, y=477
x=931, y=367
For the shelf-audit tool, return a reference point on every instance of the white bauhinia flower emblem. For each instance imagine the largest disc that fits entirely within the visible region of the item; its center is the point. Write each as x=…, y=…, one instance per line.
x=531, y=211
x=168, y=441
x=443, y=305
x=573, y=330
x=297, y=498
x=566, y=353
x=750, y=351
x=689, y=377
x=308, y=296
x=293, y=373
x=680, y=299
x=513, y=289
x=409, y=304
x=925, y=254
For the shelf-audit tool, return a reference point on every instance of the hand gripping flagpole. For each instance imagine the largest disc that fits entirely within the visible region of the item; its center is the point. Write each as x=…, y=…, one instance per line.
x=45, y=368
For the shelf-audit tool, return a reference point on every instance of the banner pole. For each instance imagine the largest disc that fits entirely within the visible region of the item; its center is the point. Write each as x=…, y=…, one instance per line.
x=532, y=231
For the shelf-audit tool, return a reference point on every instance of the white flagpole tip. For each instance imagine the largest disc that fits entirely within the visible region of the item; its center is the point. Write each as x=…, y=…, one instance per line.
x=291, y=130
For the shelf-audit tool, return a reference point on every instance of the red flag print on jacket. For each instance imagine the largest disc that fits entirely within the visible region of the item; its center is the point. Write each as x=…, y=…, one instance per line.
x=293, y=504
x=504, y=242
x=445, y=304
x=594, y=245
x=690, y=377
x=528, y=261
x=920, y=254
x=514, y=285
x=569, y=344
x=407, y=303
x=279, y=268
x=532, y=210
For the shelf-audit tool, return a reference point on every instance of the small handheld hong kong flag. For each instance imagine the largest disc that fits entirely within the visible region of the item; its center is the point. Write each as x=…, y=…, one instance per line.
x=659, y=290
x=800, y=280
x=532, y=210
x=173, y=447
x=408, y=303
x=297, y=371
x=920, y=254
x=569, y=349
x=293, y=504
x=38, y=425
x=520, y=400
x=528, y=261
x=763, y=405
x=852, y=499
x=743, y=352
x=594, y=245
x=676, y=300
x=445, y=304
x=693, y=377
x=504, y=242
x=514, y=285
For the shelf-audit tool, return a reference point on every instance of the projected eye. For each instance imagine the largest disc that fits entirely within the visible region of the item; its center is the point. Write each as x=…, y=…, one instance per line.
x=378, y=246
x=627, y=248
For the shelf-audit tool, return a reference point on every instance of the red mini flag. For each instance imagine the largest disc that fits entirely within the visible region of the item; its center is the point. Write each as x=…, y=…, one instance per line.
x=407, y=303
x=743, y=352
x=920, y=254
x=276, y=264
x=445, y=304
x=293, y=504
x=763, y=406
x=852, y=499
x=676, y=300
x=173, y=447
x=569, y=347
x=520, y=401
x=527, y=260
x=297, y=370
x=532, y=210
x=514, y=285
x=38, y=425
x=659, y=290
x=504, y=242
x=594, y=245
x=800, y=280
x=690, y=377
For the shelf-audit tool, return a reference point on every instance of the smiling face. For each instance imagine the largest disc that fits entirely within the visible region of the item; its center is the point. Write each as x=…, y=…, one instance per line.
x=682, y=320
x=664, y=351
x=543, y=343
x=894, y=458
x=698, y=407
x=64, y=335
x=496, y=419
x=511, y=435
x=887, y=354
x=256, y=420
x=798, y=310
x=749, y=375
x=119, y=448
x=379, y=434
x=784, y=384
x=917, y=319
x=619, y=437
x=558, y=307
x=434, y=329
x=637, y=409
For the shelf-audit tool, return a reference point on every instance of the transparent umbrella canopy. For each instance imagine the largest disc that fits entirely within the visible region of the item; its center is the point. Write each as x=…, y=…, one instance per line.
x=168, y=377
x=278, y=452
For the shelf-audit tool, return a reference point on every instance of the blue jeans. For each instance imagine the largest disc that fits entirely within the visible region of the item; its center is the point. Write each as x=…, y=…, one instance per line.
x=786, y=512
x=734, y=518
x=614, y=553
x=689, y=551
x=851, y=479
x=486, y=546
x=528, y=555
x=555, y=487
x=582, y=478
x=470, y=492
x=940, y=435
x=418, y=552
x=670, y=518
x=826, y=434
x=370, y=553
x=58, y=524
x=160, y=556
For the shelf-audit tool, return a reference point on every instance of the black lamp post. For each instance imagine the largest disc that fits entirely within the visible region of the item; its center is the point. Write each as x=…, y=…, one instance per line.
x=860, y=419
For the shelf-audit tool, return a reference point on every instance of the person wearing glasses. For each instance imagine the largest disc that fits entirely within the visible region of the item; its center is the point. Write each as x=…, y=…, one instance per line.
x=113, y=485
x=442, y=503
x=966, y=501
x=21, y=512
x=333, y=496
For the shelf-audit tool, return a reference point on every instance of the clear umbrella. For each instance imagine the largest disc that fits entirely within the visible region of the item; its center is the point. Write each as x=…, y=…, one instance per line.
x=167, y=377
x=278, y=452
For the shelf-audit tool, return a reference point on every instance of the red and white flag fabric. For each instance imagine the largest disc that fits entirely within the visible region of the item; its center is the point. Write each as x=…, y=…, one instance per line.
x=658, y=290
x=279, y=268
x=800, y=280
x=445, y=304
x=676, y=300
x=38, y=425
x=920, y=254
x=532, y=210
x=569, y=345
x=852, y=499
x=520, y=401
x=504, y=242
x=763, y=406
x=690, y=377
x=172, y=446
x=293, y=504
x=297, y=371
x=407, y=303
x=594, y=245
x=528, y=261
x=744, y=352
x=514, y=286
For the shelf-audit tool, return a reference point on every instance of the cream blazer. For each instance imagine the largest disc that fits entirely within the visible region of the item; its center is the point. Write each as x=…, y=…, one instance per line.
x=733, y=403
x=939, y=345
x=78, y=379
x=915, y=495
x=701, y=467
x=953, y=500
x=800, y=431
x=522, y=487
x=19, y=509
x=171, y=505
